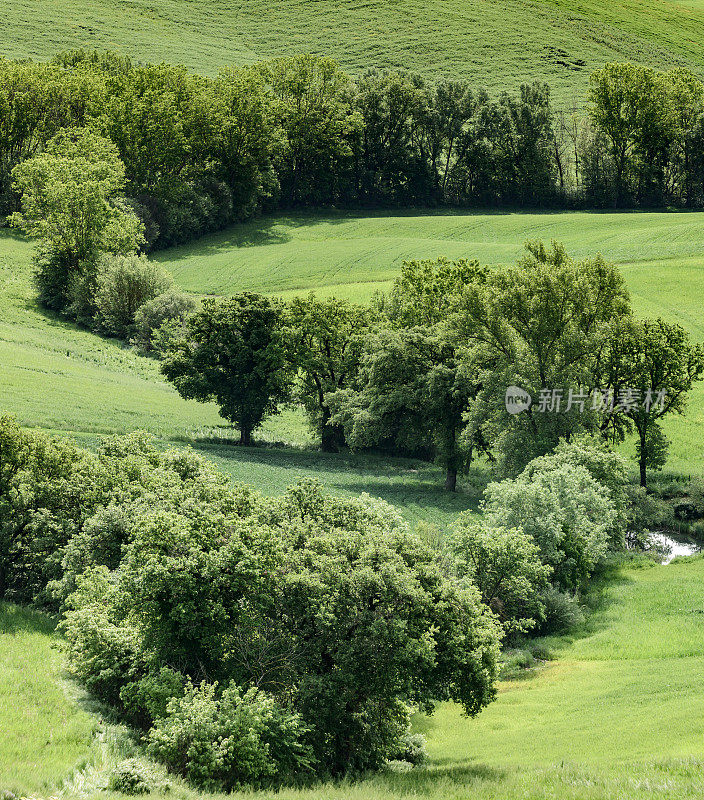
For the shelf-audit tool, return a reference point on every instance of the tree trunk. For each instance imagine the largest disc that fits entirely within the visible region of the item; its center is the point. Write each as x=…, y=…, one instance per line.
x=642, y=461
x=246, y=437
x=451, y=480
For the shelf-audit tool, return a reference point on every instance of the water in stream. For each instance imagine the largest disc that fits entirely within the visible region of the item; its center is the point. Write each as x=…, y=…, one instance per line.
x=671, y=548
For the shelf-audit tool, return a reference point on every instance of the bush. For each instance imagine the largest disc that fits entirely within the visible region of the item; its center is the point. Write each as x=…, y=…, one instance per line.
x=566, y=512
x=505, y=565
x=236, y=739
x=170, y=307
x=562, y=612
x=129, y=777
x=412, y=749
x=124, y=284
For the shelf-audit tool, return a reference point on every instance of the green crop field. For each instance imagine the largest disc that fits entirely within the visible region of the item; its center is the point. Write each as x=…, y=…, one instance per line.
x=617, y=713
x=494, y=43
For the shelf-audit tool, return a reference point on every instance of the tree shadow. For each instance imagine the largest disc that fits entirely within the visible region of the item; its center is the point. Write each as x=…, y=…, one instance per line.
x=455, y=776
x=397, y=480
x=15, y=619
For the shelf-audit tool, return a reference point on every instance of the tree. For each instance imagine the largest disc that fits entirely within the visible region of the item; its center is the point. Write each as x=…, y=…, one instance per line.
x=368, y=621
x=629, y=105
x=413, y=392
x=325, y=340
x=233, y=352
x=540, y=326
x=70, y=201
x=649, y=368
x=426, y=292
x=315, y=121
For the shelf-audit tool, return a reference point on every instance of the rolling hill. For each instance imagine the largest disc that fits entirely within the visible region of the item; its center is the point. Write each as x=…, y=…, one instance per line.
x=494, y=43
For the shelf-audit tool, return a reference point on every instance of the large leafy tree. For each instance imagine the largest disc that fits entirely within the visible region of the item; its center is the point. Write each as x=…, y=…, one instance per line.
x=648, y=370
x=314, y=122
x=629, y=106
x=70, y=201
x=325, y=341
x=541, y=326
x=413, y=392
x=233, y=351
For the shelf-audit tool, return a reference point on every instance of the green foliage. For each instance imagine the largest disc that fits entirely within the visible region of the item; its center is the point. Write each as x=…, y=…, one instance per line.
x=412, y=397
x=541, y=326
x=657, y=365
x=70, y=202
x=169, y=308
x=124, y=285
x=564, y=510
x=230, y=740
x=505, y=565
x=325, y=341
x=233, y=352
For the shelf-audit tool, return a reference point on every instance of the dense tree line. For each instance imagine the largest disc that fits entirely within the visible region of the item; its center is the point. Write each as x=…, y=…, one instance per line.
x=200, y=153
x=427, y=369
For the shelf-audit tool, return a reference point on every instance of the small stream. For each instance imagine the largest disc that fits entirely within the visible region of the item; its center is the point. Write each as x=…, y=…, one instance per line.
x=672, y=547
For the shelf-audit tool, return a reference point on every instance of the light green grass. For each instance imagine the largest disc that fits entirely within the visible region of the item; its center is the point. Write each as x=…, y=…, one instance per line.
x=495, y=43
x=43, y=734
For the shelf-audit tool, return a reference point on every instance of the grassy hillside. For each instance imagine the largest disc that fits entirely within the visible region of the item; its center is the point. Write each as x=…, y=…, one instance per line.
x=495, y=43
x=44, y=735
x=352, y=255
x=618, y=714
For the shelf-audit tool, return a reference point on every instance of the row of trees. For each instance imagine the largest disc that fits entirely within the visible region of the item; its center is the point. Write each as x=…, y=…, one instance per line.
x=424, y=370
x=200, y=153
x=427, y=368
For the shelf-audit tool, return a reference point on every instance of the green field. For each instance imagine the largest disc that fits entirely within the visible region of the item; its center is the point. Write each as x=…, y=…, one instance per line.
x=43, y=733
x=493, y=43
x=618, y=713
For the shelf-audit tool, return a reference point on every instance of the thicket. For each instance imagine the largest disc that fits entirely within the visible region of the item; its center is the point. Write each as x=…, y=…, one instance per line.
x=254, y=641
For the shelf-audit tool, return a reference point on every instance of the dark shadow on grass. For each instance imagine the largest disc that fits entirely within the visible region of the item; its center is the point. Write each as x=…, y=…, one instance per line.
x=15, y=619
x=399, y=481
x=459, y=775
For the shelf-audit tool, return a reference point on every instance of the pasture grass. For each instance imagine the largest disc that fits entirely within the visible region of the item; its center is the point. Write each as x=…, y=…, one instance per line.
x=494, y=43
x=43, y=733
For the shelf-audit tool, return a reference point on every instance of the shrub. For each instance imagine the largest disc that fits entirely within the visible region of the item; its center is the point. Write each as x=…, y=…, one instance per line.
x=505, y=565
x=124, y=284
x=566, y=512
x=562, y=612
x=129, y=777
x=170, y=307
x=412, y=749
x=236, y=739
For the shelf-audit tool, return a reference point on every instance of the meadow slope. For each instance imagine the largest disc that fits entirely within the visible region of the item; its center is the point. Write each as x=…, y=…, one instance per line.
x=494, y=43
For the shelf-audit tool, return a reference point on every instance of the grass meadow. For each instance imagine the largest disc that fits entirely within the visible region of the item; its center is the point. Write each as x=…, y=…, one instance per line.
x=494, y=43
